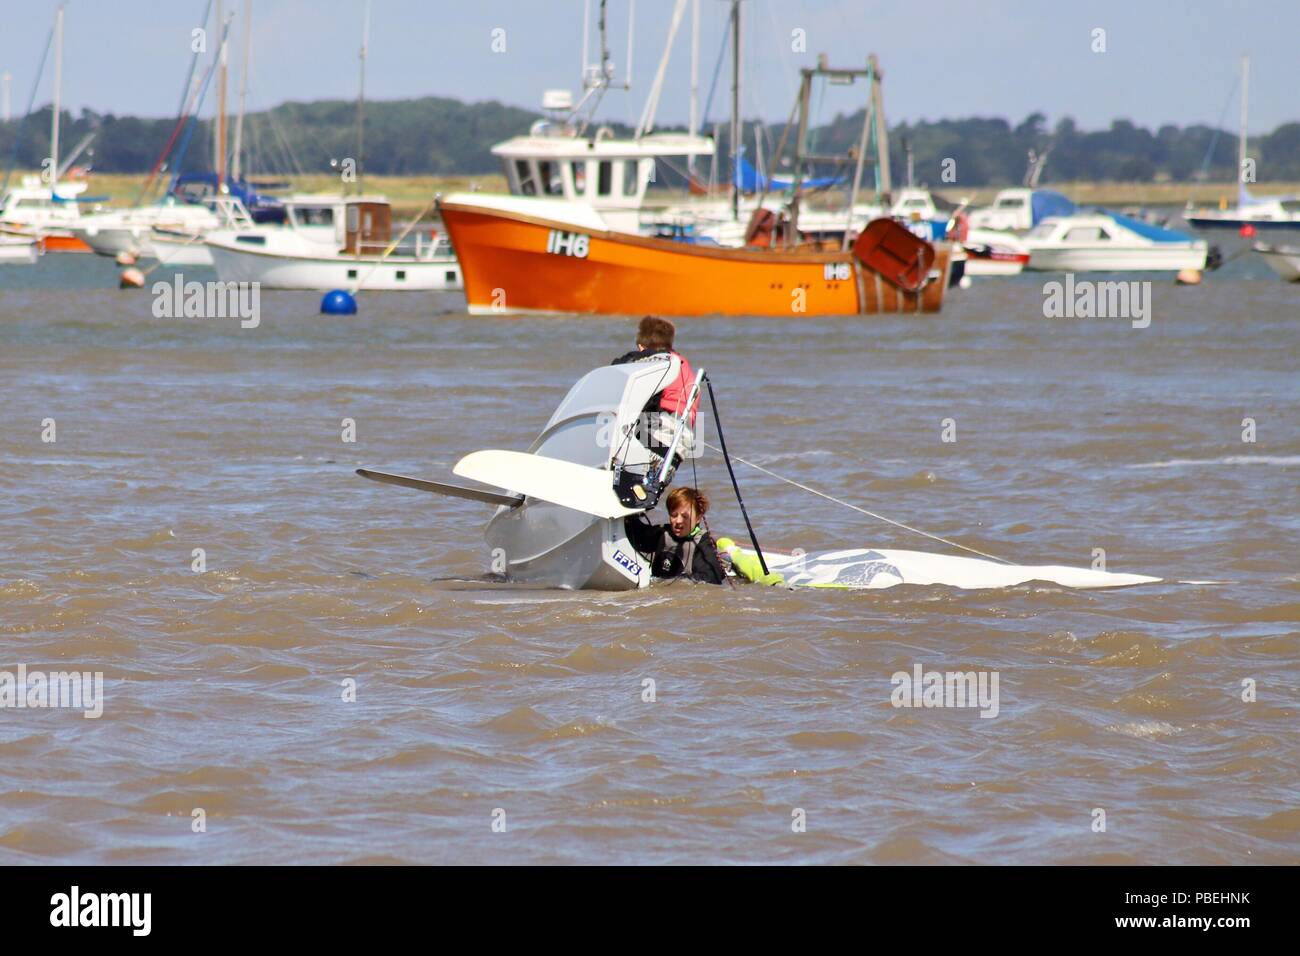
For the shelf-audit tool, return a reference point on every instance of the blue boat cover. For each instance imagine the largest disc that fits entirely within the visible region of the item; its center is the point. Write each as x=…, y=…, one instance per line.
x=750, y=181
x=1146, y=229
x=1048, y=202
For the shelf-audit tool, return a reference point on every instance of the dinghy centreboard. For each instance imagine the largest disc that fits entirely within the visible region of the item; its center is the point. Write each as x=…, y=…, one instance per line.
x=561, y=505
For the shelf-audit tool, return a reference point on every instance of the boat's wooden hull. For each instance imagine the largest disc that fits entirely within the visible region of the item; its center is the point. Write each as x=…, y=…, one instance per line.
x=513, y=262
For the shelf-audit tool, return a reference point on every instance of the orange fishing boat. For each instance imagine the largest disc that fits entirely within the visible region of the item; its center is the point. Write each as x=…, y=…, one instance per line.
x=520, y=254
x=530, y=252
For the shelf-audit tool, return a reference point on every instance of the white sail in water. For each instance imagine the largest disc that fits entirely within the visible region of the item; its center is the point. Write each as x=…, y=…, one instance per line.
x=863, y=568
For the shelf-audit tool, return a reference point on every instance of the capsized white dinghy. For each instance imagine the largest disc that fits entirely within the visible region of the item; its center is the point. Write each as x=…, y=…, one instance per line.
x=560, y=510
x=560, y=522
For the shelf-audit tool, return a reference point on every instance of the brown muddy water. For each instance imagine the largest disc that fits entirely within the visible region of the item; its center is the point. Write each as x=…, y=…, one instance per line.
x=224, y=690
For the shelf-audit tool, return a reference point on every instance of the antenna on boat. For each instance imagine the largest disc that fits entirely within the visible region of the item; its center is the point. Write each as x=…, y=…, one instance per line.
x=598, y=77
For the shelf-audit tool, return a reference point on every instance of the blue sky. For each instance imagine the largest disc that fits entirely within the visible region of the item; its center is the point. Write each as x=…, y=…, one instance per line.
x=1165, y=61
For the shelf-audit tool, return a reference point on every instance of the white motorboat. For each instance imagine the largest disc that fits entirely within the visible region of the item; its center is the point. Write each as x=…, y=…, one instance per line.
x=1110, y=242
x=1284, y=260
x=187, y=247
x=561, y=504
x=16, y=249
x=131, y=230
x=333, y=243
x=1021, y=208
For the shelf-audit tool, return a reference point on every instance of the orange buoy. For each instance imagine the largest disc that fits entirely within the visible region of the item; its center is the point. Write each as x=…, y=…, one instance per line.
x=1189, y=277
x=131, y=278
x=1247, y=230
x=125, y=258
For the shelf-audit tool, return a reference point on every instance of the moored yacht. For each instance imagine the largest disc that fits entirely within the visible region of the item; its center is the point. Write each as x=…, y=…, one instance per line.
x=333, y=243
x=45, y=213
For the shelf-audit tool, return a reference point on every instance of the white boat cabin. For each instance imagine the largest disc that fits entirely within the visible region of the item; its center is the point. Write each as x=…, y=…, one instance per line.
x=610, y=175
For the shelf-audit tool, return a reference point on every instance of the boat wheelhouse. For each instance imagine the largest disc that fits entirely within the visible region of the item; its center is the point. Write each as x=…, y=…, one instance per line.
x=608, y=174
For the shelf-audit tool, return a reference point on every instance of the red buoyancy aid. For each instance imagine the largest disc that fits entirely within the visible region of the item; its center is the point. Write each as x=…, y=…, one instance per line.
x=673, y=398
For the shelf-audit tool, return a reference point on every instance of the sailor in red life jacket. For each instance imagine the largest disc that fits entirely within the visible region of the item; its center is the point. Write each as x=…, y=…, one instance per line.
x=654, y=336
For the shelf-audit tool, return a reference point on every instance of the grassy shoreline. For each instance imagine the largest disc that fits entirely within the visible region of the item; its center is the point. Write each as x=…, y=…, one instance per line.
x=411, y=194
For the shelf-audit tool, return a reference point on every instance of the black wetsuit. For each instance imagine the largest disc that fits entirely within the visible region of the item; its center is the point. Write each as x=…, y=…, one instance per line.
x=695, y=556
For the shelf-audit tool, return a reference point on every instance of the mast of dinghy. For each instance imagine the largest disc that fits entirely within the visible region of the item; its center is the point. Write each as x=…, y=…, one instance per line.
x=691, y=398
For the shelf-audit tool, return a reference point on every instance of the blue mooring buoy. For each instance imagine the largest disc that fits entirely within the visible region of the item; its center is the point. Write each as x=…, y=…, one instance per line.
x=338, y=302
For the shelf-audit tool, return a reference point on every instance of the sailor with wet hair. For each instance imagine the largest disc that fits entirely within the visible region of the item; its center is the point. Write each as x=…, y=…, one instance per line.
x=683, y=547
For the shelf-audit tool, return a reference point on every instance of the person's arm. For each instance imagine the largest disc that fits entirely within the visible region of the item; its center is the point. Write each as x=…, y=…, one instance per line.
x=643, y=535
x=706, y=565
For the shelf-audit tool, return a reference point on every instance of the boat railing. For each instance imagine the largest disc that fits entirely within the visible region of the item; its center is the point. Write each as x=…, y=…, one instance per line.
x=422, y=244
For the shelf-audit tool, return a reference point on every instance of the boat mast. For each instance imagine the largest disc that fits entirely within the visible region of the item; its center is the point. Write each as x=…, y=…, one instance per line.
x=862, y=152
x=361, y=100
x=735, y=110
x=1241, y=139
x=883, y=185
x=221, y=107
x=237, y=167
x=695, y=80
x=58, y=99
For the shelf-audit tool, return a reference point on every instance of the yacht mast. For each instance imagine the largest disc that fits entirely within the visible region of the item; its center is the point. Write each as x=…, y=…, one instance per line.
x=735, y=110
x=58, y=98
x=694, y=128
x=237, y=169
x=361, y=101
x=1241, y=139
x=221, y=107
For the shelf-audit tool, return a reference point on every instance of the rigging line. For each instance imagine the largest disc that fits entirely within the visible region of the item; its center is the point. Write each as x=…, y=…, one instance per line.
x=22, y=124
x=735, y=485
x=1218, y=128
x=870, y=514
x=717, y=68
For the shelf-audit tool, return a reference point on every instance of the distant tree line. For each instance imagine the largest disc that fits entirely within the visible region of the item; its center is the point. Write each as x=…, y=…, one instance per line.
x=438, y=136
